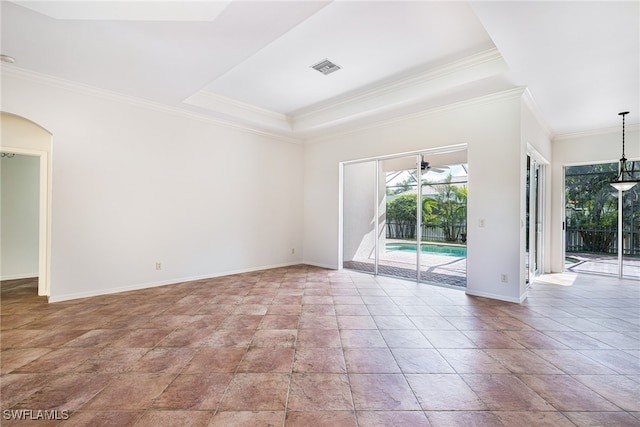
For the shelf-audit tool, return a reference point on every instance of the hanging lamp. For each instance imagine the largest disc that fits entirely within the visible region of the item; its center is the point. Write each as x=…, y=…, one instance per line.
x=625, y=180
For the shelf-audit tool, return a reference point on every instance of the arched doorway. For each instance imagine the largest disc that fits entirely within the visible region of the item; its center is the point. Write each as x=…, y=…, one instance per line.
x=24, y=137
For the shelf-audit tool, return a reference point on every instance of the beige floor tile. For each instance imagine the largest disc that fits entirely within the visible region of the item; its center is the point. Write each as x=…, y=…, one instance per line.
x=303, y=346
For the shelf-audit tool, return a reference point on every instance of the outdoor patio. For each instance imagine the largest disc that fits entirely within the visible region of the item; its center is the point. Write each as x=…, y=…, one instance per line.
x=604, y=264
x=452, y=271
x=435, y=269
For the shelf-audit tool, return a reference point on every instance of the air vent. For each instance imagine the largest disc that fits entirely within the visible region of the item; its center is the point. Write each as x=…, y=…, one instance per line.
x=326, y=67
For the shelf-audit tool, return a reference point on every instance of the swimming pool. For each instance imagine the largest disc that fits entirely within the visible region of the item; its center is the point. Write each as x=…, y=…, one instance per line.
x=429, y=249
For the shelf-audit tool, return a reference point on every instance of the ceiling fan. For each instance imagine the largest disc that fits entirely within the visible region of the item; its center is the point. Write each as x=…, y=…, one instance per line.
x=424, y=166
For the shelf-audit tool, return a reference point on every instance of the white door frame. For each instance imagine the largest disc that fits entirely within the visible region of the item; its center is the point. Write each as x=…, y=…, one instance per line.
x=537, y=213
x=44, y=216
x=18, y=141
x=377, y=160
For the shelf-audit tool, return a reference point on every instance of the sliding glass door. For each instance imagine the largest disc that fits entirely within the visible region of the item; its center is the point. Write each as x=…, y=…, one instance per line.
x=534, y=226
x=629, y=260
x=405, y=216
x=591, y=218
x=367, y=188
x=400, y=256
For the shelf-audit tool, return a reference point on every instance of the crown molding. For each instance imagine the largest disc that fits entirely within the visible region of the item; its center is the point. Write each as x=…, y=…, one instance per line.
x=228, y=106
x=88, y=90
x=528, y=100
x=596, y=132
x=278, y=126
x=514, y=93
x=381, y=98
x=402, y=92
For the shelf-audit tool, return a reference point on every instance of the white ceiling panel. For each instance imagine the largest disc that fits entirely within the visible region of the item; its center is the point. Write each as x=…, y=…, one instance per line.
x=580, y=60
x=163, y=61
x=370, y=41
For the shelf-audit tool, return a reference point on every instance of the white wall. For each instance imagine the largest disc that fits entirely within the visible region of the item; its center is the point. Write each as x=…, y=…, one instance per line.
x=135, y=184
x=19, y=195
x=599, y=147
x=491, y=129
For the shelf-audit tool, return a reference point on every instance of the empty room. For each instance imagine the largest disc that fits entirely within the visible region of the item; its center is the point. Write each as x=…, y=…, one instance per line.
x=320, y=213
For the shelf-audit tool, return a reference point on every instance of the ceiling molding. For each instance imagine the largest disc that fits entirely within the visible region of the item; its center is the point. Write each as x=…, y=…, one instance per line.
x=527, y=98
x=514, y=93
x=402, y=92
x=88, y=90
x=381, y=98
x=597, y=132
x=227, y=106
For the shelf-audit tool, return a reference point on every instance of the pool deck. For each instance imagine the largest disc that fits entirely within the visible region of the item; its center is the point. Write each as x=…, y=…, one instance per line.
x=452, y=271
x=435, y=269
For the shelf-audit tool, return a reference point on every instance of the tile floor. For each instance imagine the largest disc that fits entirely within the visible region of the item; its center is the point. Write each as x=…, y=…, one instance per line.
x=304, y=346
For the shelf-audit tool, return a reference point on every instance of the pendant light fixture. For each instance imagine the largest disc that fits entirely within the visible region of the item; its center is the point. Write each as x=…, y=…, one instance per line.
x=625, y=180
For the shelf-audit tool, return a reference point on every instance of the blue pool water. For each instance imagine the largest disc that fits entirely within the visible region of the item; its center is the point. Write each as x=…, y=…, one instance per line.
x=454, y=251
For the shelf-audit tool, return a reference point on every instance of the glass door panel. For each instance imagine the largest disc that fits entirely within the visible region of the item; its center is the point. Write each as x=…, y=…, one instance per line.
x=359, y=216
x=399, y=254
x=444, y=219
x=435, y=237
x=533, y=261
x=591, y=218
x=631, y=227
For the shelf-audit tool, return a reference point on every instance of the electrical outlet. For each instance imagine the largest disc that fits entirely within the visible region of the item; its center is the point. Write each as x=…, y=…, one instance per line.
x=293, y=251
x=158, y=266
x=504, y=278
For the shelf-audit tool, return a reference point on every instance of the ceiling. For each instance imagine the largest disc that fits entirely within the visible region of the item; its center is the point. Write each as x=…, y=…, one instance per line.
x=249, y=62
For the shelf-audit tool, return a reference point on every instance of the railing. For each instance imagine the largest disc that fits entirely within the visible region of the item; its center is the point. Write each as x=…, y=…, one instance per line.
x=601, y=241
x=429, y=233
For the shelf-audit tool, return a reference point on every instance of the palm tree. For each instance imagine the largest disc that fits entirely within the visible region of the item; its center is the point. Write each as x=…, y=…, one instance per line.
x=451, y=209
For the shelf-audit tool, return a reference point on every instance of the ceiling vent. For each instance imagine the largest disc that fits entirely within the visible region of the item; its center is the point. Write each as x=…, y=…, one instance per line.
x=326, y=67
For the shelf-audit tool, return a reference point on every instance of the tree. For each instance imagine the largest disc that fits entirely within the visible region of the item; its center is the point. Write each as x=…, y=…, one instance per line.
x=451, y=209
x=591, y=207
x=401, y=213
x=447, y=210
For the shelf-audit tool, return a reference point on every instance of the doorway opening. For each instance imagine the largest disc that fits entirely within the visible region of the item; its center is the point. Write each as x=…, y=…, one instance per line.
x=592, y=231
x=405, y=216
x=535, y=206
x=22, y=137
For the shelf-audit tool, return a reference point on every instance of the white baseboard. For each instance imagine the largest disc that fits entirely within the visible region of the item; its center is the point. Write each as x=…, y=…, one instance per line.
x=497, y=296
x=138, y=286
x=315, y=264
